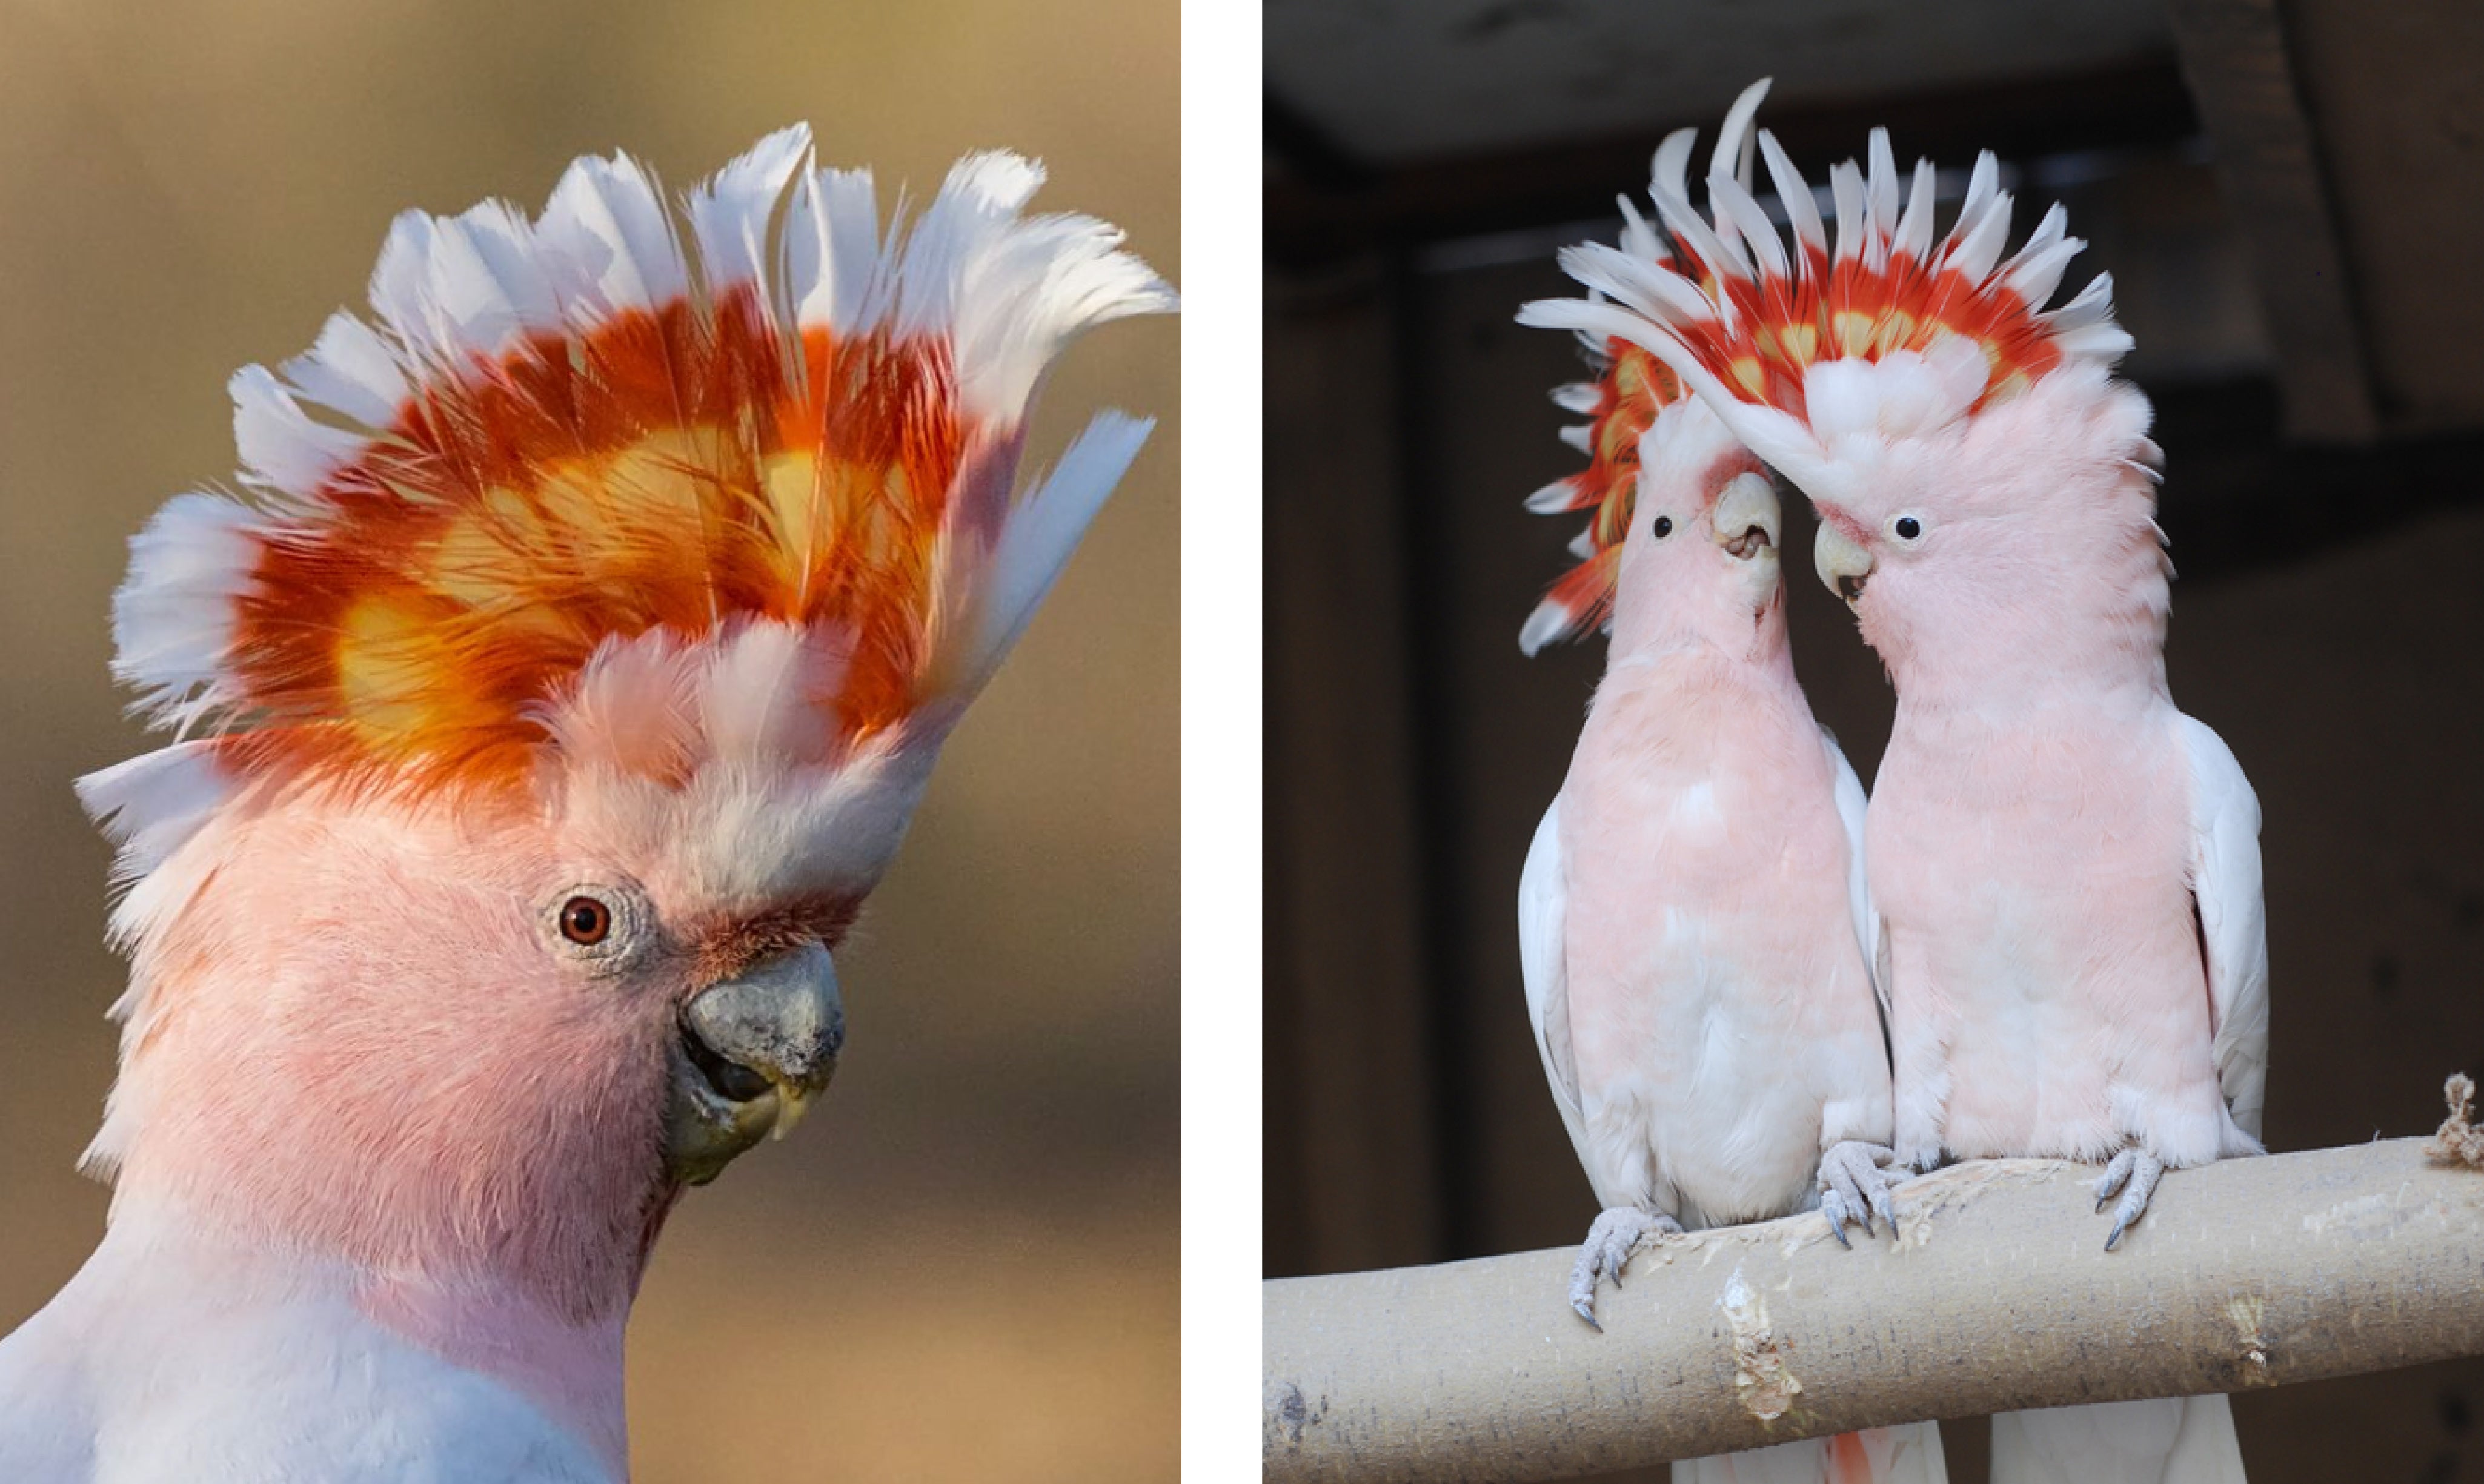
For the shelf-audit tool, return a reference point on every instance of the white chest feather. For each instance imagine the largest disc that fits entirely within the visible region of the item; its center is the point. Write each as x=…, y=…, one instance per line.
x=160, y=1362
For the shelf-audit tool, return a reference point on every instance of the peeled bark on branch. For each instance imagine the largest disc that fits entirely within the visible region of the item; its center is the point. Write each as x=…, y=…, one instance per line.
x=1997, y=1295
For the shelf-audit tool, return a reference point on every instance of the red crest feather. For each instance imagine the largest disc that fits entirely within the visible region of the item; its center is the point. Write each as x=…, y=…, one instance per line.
x=1630, y=390
x=558, y=438
x=1743, y=316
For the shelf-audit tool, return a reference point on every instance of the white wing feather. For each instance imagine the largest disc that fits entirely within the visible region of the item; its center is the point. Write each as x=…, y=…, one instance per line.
x=2233, y=920
x=1543, y=916
x=1851, y=804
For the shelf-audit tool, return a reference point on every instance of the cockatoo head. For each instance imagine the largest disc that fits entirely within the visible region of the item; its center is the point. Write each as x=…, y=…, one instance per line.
x=1685, y=526
x=572, y=657
x=1969, y=455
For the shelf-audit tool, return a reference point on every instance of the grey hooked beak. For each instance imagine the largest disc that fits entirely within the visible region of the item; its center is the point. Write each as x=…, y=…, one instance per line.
x=1747, y=516
x=1843, y=565
x=754, y=1051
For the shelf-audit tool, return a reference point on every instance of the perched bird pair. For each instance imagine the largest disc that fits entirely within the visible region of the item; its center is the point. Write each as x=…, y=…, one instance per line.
x=586, y=625
x=2051, y=903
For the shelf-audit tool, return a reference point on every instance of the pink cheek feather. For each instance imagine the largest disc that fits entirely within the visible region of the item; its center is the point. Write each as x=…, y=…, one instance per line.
x=410, y=1083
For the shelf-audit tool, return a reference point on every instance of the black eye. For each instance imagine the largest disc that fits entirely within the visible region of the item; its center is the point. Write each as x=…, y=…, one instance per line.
x=1663, y=527
x=1907, y=528
x=585, y=920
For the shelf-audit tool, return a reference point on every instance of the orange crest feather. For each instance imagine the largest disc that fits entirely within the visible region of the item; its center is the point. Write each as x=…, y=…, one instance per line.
x=1630, y=390
x=1742, y=314
x=563, y=439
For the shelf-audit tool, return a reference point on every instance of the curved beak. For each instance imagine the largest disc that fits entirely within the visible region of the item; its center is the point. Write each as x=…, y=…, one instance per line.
x=754, y=1051
x=1843, y=564
x=1746, y=516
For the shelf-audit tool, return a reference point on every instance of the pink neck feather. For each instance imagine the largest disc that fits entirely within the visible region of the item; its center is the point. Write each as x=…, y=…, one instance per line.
x=1714, y=611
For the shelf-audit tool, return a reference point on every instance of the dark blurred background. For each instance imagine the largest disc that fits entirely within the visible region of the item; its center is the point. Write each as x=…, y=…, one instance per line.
x=2289, y=197
x=965, y=1265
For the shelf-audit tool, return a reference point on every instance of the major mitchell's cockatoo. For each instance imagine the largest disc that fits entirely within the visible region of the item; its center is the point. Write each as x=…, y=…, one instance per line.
x=556, y=680
x=1695, y=940
x=2068, y=868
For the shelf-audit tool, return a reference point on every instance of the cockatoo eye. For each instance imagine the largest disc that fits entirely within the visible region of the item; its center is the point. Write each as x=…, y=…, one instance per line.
x=1906, y=527
x=600, y=925
x=585, y=921
x=1663, y=527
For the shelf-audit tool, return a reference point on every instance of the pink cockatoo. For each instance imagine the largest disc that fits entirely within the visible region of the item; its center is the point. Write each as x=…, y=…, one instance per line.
x=2068, y=868
x=1695, y=939
x=573, y=653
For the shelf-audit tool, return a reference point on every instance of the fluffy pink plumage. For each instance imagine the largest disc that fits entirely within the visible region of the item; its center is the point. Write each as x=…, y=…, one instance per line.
x=2067, y=865
x=2041, y=818
x=1690, y=910
x=2030, y=830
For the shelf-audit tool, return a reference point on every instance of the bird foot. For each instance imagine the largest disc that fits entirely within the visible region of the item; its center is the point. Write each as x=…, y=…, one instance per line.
x=2134, y=1172
x=1616, y=1234
x=1855, y=1186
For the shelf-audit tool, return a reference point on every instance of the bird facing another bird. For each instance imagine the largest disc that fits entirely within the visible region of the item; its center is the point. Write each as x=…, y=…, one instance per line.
x=2062, y=905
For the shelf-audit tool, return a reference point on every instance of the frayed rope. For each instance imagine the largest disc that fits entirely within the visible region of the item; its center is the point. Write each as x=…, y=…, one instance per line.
x=2460, y=1142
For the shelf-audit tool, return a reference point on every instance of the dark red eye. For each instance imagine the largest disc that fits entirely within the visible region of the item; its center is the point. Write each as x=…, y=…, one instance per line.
x=585, y=920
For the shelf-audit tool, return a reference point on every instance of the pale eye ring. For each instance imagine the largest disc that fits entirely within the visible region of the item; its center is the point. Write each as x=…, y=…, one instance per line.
x=1907, y=528
x=601, y=923
x=585, y=921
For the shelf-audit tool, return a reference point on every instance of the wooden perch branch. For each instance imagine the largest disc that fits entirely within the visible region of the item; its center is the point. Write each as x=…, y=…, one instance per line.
x=1996, y=1295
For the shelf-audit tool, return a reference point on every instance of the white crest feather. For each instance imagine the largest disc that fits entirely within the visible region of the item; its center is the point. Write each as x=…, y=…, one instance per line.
x=281, y=447
x=1670, y=171
x=1552, y=498
x=173, y=617
x=731, y=212
x=606, y=229
x=1795, y=193
x=1042, y=532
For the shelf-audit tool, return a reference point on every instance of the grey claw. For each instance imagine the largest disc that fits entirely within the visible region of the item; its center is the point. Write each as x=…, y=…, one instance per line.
x=1855, y=1187
x=2116, y=1172
x=2134, y=1173
x=1616, y=1234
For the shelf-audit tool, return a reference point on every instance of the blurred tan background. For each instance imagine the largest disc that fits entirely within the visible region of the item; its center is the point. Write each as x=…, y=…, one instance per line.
x=965, y=1266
